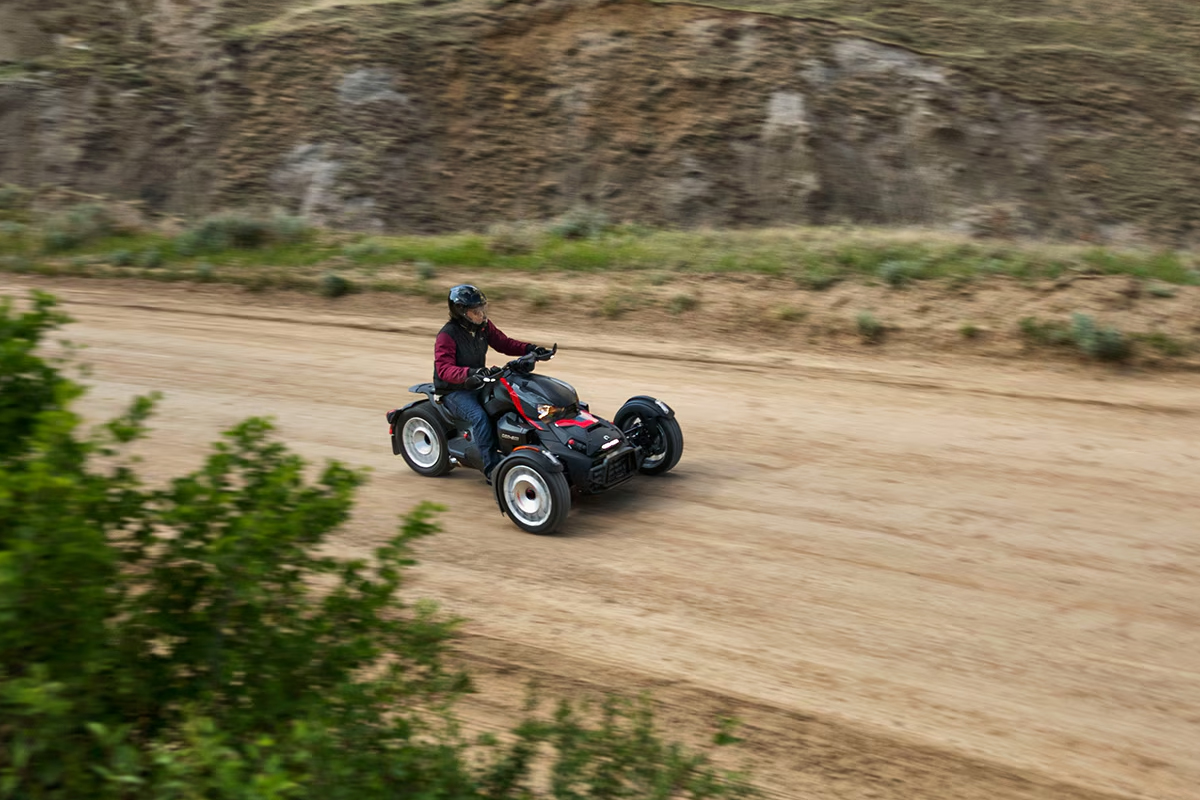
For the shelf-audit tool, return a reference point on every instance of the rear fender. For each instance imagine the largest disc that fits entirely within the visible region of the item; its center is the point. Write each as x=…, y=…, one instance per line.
x=395, y=415
x=526, y=454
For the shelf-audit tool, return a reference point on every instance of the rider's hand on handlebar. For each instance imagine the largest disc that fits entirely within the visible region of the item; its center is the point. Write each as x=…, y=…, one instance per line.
x=541, y=352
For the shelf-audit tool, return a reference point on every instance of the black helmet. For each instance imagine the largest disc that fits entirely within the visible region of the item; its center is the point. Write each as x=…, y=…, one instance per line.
x=464, y=297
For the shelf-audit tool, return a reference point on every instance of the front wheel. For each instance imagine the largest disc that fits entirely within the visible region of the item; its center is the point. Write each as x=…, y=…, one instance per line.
x=660, y=438
x=535, y=498
x=423, y=441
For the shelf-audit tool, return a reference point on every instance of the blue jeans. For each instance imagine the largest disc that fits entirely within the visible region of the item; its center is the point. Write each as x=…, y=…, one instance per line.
x=465, y=405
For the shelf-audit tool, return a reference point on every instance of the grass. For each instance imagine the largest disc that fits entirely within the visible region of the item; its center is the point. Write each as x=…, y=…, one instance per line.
x=1083, y=334
x=813, y=258
x=870, y=329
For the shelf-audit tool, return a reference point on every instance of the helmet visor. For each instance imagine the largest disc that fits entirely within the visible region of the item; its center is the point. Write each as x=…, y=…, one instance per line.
x=477, y=314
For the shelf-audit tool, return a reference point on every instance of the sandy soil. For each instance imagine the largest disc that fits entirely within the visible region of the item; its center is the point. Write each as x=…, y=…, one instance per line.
x=949, y=578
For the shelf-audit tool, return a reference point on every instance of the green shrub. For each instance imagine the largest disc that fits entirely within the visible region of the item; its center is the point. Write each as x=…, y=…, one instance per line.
x=76, y=227
x=897, y=273
x=870, y=330
x=1044, y=334
x=818, y=280
x=1102, y=344
x=205, y=272
x=13, y=197
x=788, y=314
x=513, y=238
x=581, y=222
x=12, y=230
x=122, y=258
x=683, y=302
x=150, y=259
x=239, y=231
x=334, y=285
x=426, y=271
x=172, y=642
x=969, y=331
x=1164, y=343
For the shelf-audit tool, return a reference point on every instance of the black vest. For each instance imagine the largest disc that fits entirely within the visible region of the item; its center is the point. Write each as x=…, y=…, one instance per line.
x=470, y=351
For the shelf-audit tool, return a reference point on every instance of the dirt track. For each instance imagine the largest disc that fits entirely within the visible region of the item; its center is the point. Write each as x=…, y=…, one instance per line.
x=942, y=580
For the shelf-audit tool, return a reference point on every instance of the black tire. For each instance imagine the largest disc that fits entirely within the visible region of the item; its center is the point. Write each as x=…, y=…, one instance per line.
x=422, y=439
x=533, y=496
x=660, y=438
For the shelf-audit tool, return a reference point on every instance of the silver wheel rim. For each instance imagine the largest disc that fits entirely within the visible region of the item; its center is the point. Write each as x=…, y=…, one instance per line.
x=421, y=443
x=527, y=495
x=651, y=460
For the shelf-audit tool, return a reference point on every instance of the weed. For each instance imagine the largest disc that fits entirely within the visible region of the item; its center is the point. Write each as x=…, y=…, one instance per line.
x=363, y=251
x=900, y=273
x=151, y=259
x=76, y=227
x=683, y=302
x=1102, y=344
x=1044, y=334
x=235, y=230
x=205, y=272
x=1163, y=343
x=538, y=298
x=16, y=264
x=1161, y=290
x=426, y=271
x=969, y=331
x=122, y=258
x=788, y=314
x=12, y=230
x=334, y=285
x=513, y=238
x=581, y=222
x=817, y=280
x=870, y=329
x=616, y=305
x=13, y=197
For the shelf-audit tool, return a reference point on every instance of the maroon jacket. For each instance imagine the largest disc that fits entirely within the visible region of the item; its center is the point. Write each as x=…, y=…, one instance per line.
x=457, y=350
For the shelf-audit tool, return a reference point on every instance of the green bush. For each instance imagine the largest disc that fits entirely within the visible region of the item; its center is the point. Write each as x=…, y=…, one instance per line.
x=163, y=643
x=334, y=285
x=870, y=329
x=239, y=231
x=897, y=273
x=581, y=222
x=1044, y=334
x=76, y=227
x=513, y=238
x=1102, y=344
x=683, y=302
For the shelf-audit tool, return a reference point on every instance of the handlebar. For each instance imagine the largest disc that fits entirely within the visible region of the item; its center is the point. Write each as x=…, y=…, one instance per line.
x=524, y=363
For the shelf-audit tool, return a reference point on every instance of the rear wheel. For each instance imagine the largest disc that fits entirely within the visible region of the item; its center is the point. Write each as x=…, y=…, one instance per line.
x=423, y=442
x=660, y=438
x=534, y=498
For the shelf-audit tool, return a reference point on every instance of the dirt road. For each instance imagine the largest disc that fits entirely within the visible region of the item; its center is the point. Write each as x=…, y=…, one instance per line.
x=912, y=580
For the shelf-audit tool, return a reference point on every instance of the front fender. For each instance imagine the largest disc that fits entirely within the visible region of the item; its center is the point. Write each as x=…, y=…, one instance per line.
x=653, y=404
x=526, y=454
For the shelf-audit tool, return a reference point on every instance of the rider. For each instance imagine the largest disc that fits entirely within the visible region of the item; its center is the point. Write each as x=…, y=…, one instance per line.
x=460, y=364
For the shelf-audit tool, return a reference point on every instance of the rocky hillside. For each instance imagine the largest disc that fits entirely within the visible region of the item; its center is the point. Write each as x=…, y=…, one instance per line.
x=446, y=114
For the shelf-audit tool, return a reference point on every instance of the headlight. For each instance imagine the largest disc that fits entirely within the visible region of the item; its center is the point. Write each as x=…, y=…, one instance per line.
x=547, y=411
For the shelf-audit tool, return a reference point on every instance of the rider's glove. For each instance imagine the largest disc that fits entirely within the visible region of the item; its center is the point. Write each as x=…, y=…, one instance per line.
x=473, y=382
x=539, y=351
